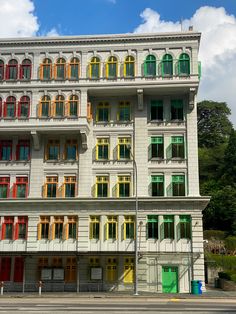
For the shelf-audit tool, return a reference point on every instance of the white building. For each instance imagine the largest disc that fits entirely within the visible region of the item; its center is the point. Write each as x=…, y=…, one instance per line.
x=75, y=111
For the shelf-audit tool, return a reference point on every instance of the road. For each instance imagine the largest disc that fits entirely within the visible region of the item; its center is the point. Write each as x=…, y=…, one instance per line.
x=115, y=306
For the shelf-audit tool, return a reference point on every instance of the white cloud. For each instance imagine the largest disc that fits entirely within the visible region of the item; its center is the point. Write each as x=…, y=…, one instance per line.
x=217, y=49
x=17, y=18
x=53, y=33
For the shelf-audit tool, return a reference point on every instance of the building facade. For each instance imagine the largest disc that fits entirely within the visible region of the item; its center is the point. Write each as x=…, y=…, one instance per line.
x=77, y=114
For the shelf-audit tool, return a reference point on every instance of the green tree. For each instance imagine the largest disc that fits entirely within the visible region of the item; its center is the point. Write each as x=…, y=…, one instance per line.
x=214, y=126
x=229, y=169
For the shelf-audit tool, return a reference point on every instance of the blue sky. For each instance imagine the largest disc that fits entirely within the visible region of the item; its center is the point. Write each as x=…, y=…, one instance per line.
x=79, y=17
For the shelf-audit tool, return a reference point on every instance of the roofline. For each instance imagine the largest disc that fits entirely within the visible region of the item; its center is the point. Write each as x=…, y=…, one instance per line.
x=102, y=38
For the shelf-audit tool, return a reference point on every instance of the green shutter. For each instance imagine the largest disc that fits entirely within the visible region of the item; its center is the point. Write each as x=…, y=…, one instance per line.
x=177, y=139
x=178, y=179
x=157, y=179
x=152, y=218
x=199, y=69
x=168, y=218
x=185, y=218
x=157, y=140
x=156, y=103
x=177, y=103
x=162, y=233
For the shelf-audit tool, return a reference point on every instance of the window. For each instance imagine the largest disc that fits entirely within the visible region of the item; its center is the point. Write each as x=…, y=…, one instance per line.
x=152, y=227
x=5, y=269
x=185, y=226
x=10, y=107
x=73, y=106
x=57, y=227
x=69, y=186
x=111, y=68
x=52, y=151
x=7, y=228
x=102, y=183
x=150, y=66
x=111, y=269
x=25, y=70
x=177, y=112
x=94, y=227
x=6, y=150
x=168, y=227
x=20, y=188
x=103, y=112
x=72, y=227
x=184, y=64
x=124, y=111
x=71, y=150
x=46, y=69
x=21, y=228
x=4, y=187
x=102, y=149
x=12, y=70
x=177, y=146
x=44, y=107
x=1, y=70
x=23, y=150
x=157, y=110
x=94, y=261
x=167, y=65
x=158, y=185
x=129, y=227
x=129, y=270
x=59, y=110
x=74, y=69
x=111, y=228
x=124, y=144
x=24, y=107
x=71, y=269
x=43, y=228
x=94, y=68
x=57, y=262
x=157, y=147
x=60, y=69
x=18, y=269
x=178, y=185
x=129, y=65
x=50, y=187
x=123, y=186
x=42, y=263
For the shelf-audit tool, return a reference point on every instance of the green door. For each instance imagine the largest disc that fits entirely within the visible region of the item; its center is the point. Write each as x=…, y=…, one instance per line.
x=169, y=279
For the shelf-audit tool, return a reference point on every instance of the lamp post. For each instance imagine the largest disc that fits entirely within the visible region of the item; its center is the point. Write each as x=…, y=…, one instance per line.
x=136, y=223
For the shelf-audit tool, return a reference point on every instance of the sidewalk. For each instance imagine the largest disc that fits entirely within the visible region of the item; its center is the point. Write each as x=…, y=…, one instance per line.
x=211, y=293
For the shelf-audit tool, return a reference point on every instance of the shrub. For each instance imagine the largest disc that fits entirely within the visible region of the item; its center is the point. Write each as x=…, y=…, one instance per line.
x=230, y=244
x=213, y=234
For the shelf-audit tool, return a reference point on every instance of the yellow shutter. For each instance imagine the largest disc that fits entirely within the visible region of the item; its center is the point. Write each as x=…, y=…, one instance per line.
x=39, y=230
x=41, y=72
x=65, y=231
x=52, y=235
x=45, y=190
x=39, y=109
x=54, y=70
x=66, y=106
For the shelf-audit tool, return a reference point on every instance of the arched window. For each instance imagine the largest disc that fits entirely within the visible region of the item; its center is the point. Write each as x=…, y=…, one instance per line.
x=73, y=106
x=10, y=107
x=46, y=69
x=44, y=107
x=59, y=106
x=184, y=64
x=111, y=67
x=60, y=69
x=167, y=65
x=25, y=70
x=24, y=107
x=12, y=70
x=1, y=70
x=129, y=67
x=74, y=69
x=94, y=68
x=150, y=66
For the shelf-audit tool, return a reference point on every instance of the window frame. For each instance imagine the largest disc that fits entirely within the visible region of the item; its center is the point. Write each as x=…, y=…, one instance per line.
x=71, y=143
x=158, y=113
x=105, y=107
x=124, y=153
x=45, y=101
x=74, y=62
x=95, y=62
x=73, y=100
x=129, y=227
x=7, y=144
x=10, y=101
x=169, y=227
x=8, y=221
x=124, y=180
x=104, y=182
x=20, y=182
x=12, y=65
x=94, y=228
x=178, y=180
x=123, y=105
x=157, y=147
x=159, y=181
x=21, y=220
x=47, y=63
x=59, y=107
x=112, y=61
x=24, y=101
x=25, y=144
x=25, y=65
x=55, y=144
x=112, y=228
x=5, y=181
x=129, y=67
x=152, y=227
x=177, y=110
x=71, y=182
x=150, y=60
x=177, y=147
x=185, y=227
x=51, y=180
x=184, y=62
x=44, y=228
x=103, y=146
x=167, y=58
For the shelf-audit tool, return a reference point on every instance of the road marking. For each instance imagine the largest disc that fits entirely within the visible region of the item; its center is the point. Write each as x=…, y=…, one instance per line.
x=175, y=300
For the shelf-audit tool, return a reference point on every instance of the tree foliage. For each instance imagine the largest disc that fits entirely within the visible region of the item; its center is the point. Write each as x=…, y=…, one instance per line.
x=214, y=126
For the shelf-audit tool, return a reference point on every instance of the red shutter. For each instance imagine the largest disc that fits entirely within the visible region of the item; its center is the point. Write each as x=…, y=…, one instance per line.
x=19, y=108
x=0, y=109
x=3, y=230
x=26, y=190
x=30, y=70
x=7, y=72
x=5, y=109
x=17, y=71
x=16, y=231
x=5, y=270
x=14, y=190
x=14, y=108
x=18, y=269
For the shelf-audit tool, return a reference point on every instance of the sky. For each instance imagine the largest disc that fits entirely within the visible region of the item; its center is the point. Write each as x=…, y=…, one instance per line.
x=215, y=19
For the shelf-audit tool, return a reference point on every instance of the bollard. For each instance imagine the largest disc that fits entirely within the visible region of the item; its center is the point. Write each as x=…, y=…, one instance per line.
x=1, y=285
x=40, y=287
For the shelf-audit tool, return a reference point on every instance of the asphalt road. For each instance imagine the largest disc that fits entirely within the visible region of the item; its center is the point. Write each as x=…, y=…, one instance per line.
x=118, y=306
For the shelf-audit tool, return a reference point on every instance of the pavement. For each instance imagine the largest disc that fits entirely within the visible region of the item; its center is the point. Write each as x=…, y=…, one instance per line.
x=211, y=293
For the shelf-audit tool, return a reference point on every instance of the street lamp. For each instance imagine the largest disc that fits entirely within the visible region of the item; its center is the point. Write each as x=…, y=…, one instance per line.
x=136, y=222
